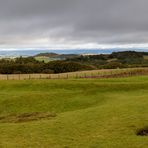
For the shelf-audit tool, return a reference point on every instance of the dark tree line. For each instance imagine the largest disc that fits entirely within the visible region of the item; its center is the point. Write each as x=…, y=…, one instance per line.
x=104, y=61
x=30, y=65
x=115, y=60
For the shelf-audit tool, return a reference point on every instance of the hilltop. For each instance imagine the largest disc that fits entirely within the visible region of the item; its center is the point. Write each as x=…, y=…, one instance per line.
x=55, y=55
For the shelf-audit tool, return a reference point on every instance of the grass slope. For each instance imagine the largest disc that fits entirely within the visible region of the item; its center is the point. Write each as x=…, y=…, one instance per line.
x=89, y=113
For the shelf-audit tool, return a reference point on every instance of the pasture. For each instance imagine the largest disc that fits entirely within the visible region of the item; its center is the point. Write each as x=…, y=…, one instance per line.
x=46, y=59
x=74, y=113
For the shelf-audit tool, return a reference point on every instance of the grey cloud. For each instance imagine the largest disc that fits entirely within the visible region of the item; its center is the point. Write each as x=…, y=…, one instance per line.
x=86, y=21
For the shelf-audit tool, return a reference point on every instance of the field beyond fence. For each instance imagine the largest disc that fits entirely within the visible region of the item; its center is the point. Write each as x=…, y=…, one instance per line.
x=107, y=73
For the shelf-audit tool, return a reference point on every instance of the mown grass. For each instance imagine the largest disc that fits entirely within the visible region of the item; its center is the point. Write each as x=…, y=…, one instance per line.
x=90, y=113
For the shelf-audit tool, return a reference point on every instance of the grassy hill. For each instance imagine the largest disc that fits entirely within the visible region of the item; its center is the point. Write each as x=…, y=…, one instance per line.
x=74, y=113
x=47, y=57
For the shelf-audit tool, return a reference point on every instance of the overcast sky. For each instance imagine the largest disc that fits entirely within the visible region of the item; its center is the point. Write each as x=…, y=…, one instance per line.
x=73, y=23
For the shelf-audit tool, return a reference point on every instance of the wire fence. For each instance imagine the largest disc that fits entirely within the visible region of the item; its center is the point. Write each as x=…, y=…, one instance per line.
x=105, y=73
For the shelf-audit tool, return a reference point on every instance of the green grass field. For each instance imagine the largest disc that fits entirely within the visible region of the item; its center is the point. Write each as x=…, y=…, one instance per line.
x=93, y=113
x=46, y=59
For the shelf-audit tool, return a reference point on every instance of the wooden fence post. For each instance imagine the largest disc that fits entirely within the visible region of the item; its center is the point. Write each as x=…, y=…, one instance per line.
x=98, y=73
x=19, y=76
x=49, y=76
x=29, y=76
x=58, y=76
x=76, y=75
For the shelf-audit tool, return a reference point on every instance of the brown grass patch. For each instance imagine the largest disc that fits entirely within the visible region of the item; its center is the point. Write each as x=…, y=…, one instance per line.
x=26, y=117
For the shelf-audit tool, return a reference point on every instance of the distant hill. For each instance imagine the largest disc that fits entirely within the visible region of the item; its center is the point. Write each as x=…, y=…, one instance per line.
x=55, y=55
x=46, y=54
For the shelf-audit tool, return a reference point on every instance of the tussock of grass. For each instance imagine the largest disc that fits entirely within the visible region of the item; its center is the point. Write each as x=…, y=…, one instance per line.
x=25, y=117
x=143, y=131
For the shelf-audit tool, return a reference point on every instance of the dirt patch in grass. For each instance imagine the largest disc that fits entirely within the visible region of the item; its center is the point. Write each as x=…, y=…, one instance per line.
x=26, y=117
x=143, y=132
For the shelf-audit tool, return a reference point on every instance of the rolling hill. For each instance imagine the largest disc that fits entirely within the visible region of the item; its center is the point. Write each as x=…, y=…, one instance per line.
x=74, y=113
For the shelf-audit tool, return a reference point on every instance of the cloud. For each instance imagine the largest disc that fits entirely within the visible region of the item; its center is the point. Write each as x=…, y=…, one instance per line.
x=73, y=23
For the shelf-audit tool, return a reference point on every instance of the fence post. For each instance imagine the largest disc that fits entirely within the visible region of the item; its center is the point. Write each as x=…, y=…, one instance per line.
x=91, y=75
x=19, y=76
x=76, y=75
x=7, y=77
x=29, y=76
x=98, y=73
x=85, y=75
x=49, y=76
